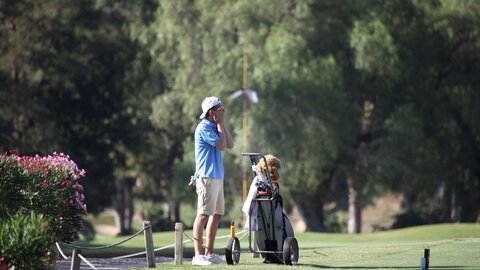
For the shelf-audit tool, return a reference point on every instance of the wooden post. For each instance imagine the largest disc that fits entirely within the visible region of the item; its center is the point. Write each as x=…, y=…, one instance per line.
x=426, y=255
x=75, y=265
x=422, y=263
x=178, y=243
x=149, y=244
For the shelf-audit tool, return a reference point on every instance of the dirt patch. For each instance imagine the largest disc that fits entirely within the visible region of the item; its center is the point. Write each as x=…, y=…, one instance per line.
x=106, y=229
x=380, y=214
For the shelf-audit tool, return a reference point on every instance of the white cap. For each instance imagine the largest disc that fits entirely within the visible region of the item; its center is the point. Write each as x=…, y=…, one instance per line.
x=208, y=103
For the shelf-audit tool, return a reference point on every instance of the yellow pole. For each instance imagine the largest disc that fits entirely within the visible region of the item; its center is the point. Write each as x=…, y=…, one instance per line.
x=232, y=229
x=244, y=131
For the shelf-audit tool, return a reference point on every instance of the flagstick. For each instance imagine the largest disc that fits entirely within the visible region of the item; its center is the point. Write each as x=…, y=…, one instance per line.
x=244, y=140
x=244, y=131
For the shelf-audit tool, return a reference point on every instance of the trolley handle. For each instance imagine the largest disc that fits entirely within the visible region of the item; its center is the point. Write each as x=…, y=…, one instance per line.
x=252, y=154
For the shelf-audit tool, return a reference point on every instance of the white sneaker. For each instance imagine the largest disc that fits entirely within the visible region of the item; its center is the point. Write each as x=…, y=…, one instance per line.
x=201, y=260
x=215, y=258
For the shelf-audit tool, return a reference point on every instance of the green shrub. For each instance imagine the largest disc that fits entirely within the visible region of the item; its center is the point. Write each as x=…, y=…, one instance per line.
x=335, y=222
x=45, y=185
x=25, y=241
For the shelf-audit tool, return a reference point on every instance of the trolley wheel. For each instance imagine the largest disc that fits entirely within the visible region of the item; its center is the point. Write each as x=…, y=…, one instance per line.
x=290, y=251
x=232, y=251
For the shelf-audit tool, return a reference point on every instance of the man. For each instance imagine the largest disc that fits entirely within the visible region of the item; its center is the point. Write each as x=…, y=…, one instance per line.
x=211, y=137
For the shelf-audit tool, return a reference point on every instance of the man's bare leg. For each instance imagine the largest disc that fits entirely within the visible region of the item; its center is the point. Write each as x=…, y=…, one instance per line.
x=198, y=233
x=212, y=226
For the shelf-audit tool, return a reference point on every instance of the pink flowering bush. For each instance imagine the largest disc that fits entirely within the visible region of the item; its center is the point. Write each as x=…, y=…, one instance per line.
x=46, y=185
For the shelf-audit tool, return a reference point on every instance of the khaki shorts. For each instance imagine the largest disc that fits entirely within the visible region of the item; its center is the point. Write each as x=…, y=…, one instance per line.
x=210, y=197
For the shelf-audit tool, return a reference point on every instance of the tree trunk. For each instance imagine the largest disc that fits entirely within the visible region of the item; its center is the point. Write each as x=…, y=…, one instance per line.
x=456, y=209
x=453, y=209
x=354, y=208
x=173, y=208
x=173, y=212
x=124, y=205
x=312, y=214
x=446, y=198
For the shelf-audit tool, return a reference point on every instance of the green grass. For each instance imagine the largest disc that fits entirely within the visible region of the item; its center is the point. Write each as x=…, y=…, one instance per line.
x=452, y=246
x=102, y=218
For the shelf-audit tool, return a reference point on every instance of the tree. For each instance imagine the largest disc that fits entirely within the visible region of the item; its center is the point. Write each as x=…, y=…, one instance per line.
x=429, y=63
x=355, y=98
x=267, y=34
x=67, y=63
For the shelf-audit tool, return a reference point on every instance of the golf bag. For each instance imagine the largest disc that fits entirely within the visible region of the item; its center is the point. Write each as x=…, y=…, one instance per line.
x=273, y=226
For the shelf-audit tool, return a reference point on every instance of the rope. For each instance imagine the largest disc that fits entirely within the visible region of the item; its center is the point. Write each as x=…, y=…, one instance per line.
x=169, y=246
x=129, y=255
x=191, y=239
x=143, y=252
x=107, y=246
x=87, y=262
x=227, y=236
x=219, y=237
x=245, y=233
x=239, y=239
x=60, y=250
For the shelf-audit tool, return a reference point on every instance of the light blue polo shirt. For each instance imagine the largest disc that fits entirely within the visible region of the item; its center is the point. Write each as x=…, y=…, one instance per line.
x=208, y=159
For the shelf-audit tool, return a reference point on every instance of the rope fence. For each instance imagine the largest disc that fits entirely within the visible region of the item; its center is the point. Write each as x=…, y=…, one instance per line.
x=60, y=251
x=104, y=247
x=149, y=250
x=87, y=262
x=218, y=237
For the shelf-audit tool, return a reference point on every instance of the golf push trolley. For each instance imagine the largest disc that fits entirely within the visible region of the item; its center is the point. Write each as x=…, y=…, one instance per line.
x=272, y=232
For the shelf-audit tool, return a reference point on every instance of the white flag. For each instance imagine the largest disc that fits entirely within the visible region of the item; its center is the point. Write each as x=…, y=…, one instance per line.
x=252, y=95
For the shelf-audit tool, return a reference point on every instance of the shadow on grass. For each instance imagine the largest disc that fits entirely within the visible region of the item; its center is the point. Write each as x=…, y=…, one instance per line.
x=391, y=267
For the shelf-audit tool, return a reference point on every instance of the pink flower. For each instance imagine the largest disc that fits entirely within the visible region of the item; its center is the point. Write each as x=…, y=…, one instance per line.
x=51, y=178
x=3, y=263
x=78, y=187
x=44, y=183
x=84, y=209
